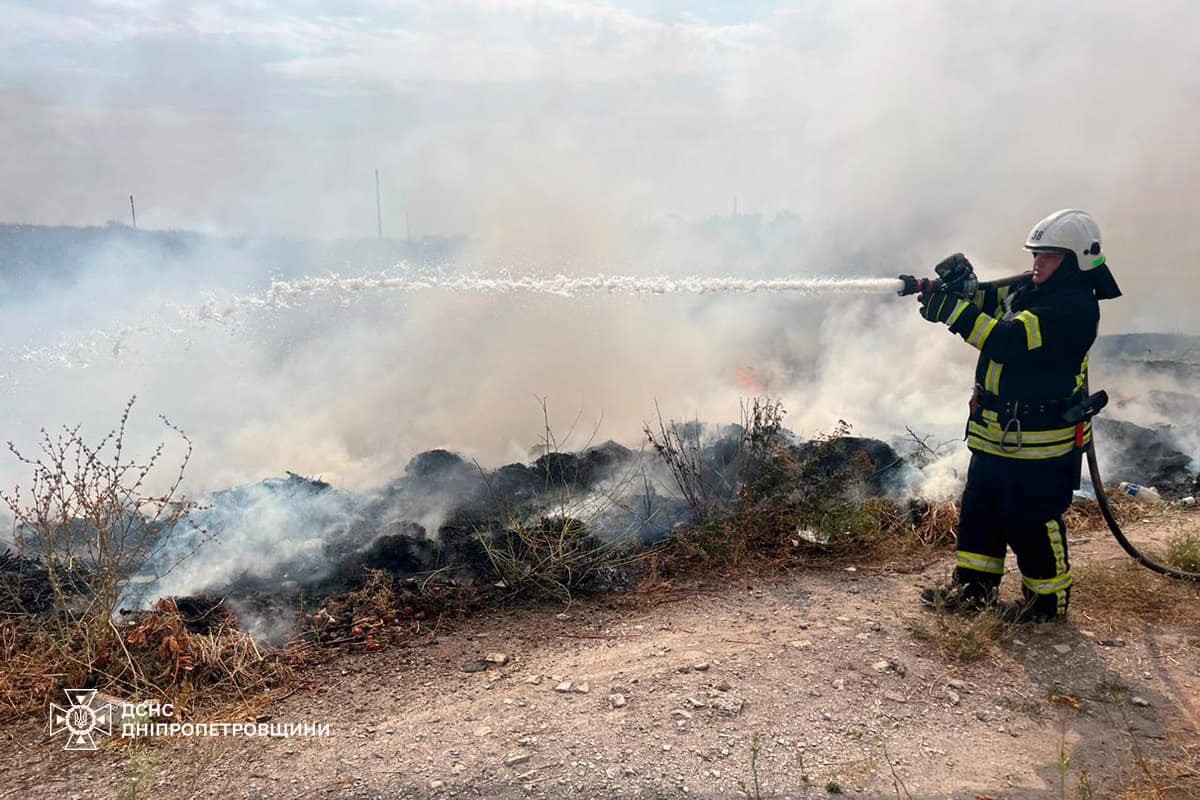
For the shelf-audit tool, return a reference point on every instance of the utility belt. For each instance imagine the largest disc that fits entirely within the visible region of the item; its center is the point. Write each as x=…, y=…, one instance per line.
x=1030, y=413
x=1031, y=430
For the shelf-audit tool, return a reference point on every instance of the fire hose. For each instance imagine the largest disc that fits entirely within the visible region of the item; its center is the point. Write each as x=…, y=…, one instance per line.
x=1091, y=405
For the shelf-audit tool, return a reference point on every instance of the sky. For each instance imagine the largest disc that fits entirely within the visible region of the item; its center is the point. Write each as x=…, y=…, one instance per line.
x=870, y=119
x=562, y=135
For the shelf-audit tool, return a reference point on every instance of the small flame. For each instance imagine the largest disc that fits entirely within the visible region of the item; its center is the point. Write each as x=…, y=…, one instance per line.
x=746, y=378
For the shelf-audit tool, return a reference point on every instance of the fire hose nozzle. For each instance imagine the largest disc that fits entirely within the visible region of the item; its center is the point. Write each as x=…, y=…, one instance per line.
x=913, y=285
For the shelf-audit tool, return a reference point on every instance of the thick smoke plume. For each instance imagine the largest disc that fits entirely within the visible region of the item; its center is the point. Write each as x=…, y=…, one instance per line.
x=859, y=139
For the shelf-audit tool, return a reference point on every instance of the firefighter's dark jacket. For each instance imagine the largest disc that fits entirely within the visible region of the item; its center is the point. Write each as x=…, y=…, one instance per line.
x=1033, y=344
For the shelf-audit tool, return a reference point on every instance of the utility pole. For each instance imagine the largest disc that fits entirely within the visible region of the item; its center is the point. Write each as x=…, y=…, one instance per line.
x=133, y=212
x=378, y=207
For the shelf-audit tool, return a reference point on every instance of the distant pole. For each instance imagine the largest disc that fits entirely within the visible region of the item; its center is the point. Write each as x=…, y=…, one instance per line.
x=133, y=212
x=378, y=206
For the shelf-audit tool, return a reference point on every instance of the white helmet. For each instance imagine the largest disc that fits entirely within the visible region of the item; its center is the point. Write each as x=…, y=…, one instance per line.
x=1069, y=230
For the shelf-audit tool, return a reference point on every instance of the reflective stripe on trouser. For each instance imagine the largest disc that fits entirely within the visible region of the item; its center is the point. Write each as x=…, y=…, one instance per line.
x=980, y=563
x=1018, y=504
x=1045, y=568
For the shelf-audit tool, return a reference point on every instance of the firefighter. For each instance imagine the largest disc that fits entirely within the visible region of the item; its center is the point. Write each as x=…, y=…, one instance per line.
x=1033, y=338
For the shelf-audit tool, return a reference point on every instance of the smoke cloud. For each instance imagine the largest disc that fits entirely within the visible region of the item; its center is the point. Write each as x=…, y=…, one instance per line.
x=860, y=139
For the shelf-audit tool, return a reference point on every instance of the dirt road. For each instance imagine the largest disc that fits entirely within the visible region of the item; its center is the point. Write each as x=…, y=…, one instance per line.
x=811, y=685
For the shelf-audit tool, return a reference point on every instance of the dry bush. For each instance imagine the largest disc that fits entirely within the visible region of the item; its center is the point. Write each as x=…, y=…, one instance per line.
x=86, y=523
x=790, y=503
x=707, y=473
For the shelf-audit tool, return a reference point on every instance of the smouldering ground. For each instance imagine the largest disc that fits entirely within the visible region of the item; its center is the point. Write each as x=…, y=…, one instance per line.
x=820, y=667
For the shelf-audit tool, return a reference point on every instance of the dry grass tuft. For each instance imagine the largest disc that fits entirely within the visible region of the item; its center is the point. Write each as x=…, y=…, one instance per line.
x=1173, y=776
x=1114, y=594
x=1183, y=551
x=962, y=637
x=155, y=658
x=1084, y=514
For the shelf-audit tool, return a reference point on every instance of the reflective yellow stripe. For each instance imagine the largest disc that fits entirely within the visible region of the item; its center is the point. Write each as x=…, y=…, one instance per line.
x=1025, y=453
x=1054, y=532
x=981, y=330
x=1048, y=585
x=1002, y=293
x=1081, y=378
x=1033, y=329
x=980, y=563
x=991, y=381
x=977, y=299
x=996, y=434
x=957, y=312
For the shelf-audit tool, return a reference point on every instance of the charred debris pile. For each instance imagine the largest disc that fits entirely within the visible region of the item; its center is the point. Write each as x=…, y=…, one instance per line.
x=298, y=555
x=565, y=524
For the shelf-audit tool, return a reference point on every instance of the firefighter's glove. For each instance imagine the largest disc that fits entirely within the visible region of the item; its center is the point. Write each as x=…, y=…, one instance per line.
x=957, y=275
x=909, y=285
x=937, y=306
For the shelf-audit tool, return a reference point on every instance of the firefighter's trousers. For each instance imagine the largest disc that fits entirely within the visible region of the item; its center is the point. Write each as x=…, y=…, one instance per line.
x=1019, y=504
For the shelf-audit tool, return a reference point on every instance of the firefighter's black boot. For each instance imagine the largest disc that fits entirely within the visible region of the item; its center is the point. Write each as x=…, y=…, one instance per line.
x=1034, y=608
x=960, y=595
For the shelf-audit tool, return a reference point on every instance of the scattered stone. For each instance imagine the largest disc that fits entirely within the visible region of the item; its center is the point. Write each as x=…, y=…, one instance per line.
x=499, y=659
x=616, y=700
x=534, y=679
x=514, y=759
x=582, y=688
x=955, y=683
x=895, y=698
x=953, y=697
x=827, y=716
x=666, y=748
x=728, y=706
x=436, y=784
x=475, y=665
x=700, y=666
x=696, y=702
x=800, y=644
x=483, y=731
x=1111, y=642
x=1169, y=639
x=723, y=686
x=1140, y=701
x=886, y=665
x=1062, y=648
x=563, y=687
x=679, y=712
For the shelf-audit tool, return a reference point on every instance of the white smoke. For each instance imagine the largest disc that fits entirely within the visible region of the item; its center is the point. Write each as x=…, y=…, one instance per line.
x=867, y=139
